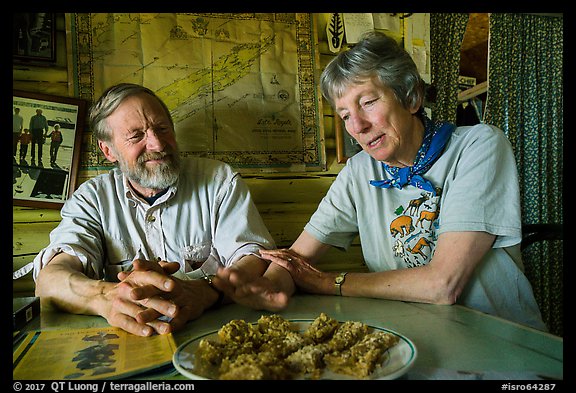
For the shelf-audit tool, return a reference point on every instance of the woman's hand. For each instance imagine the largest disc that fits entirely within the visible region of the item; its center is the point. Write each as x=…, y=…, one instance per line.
x=305, y=276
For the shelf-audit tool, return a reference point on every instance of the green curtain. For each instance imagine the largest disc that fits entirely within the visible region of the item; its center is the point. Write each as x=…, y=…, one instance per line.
x=525, y=99
x=446, y=36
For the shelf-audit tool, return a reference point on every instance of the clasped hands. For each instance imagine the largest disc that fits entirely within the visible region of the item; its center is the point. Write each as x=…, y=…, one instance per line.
x=148, y=299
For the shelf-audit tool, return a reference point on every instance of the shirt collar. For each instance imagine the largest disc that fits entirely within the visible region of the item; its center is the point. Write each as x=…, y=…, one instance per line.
x=131, y=194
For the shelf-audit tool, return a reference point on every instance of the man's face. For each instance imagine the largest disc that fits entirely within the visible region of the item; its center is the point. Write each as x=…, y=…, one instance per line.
x=144, y=143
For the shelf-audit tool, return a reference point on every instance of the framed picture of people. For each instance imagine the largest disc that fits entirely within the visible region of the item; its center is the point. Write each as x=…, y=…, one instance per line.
x=46, y=142
x=33, y=37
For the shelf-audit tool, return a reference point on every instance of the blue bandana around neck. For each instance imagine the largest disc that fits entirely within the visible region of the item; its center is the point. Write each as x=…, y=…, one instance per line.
x=436, y=135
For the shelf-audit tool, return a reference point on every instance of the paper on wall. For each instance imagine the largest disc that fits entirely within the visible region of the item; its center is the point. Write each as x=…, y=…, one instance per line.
x=356, y=24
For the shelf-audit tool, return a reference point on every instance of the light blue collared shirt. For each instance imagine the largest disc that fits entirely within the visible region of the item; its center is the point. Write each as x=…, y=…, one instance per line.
x=208, y=213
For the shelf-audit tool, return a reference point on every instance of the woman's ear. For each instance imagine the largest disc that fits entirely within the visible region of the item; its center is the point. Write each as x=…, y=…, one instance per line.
x=417, y=104
x=108, y=151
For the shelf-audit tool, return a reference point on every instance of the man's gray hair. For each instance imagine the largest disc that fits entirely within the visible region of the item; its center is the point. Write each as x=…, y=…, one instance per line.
x=109, y=101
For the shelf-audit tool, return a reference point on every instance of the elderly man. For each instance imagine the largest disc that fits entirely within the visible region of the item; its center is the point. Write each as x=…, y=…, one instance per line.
x=153, y=208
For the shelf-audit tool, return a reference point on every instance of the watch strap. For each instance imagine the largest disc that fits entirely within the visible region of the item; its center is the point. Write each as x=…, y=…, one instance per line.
x=338, y=281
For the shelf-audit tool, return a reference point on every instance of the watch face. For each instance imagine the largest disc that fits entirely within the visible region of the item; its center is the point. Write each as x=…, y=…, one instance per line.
x=339, y=280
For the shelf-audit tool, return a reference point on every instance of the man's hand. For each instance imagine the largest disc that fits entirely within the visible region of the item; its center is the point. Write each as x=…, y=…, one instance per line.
x=116, y=302
x=159, y=295
x=269, y=291
x=136, y=300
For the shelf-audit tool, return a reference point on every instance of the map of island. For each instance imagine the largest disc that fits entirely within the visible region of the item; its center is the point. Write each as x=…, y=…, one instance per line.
x=240, y=87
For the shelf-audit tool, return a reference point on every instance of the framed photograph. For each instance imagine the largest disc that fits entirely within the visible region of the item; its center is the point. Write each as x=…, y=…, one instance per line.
x=46, y=141
x=346, y=146
x=33, y=37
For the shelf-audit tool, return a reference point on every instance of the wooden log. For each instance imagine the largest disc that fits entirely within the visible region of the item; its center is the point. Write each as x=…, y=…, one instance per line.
x=30, y=238
x=294, y=190
x=31, y=215
x=59, y=89
x=40, y=74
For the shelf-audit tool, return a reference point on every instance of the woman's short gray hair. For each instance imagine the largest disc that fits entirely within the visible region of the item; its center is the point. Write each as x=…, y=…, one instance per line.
x=378, y=56
x=109, y=101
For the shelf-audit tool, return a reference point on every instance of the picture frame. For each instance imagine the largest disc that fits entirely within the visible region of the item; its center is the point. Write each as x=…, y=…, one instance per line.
x=45, y=171
x=346, y=145
x=34, y=37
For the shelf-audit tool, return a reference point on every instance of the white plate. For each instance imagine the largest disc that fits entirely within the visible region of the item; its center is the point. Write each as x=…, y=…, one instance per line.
x=398, y=361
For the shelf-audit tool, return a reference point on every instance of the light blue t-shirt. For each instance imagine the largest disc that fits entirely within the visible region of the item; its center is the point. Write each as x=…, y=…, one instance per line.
x=477, y=190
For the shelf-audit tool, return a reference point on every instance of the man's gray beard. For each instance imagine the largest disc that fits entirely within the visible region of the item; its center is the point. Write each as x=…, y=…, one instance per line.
x=160, y=177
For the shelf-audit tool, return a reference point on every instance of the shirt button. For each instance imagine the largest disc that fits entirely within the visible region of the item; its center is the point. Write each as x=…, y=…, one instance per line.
x=151, y=218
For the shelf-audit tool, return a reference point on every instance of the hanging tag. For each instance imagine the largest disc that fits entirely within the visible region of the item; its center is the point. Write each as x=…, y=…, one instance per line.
x=335, y=32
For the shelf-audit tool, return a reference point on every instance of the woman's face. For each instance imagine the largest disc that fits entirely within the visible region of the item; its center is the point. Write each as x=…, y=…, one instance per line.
x=380, y=124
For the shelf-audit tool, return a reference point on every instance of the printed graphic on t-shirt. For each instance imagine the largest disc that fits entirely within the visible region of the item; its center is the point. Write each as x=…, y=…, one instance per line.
x=414, y=229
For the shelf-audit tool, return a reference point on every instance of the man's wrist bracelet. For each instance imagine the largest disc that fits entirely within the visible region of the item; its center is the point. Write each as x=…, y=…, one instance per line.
x=208, y=278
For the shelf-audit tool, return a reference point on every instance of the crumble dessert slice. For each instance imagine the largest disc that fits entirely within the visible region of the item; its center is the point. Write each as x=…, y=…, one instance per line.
x=308, y=360
x=214, y=352
x=239, y=331
x=245, y=367
x=347, y=334
x=322, y=328
x=271, y=326
x=254, y=366
x=362, y=358
x=284, y=346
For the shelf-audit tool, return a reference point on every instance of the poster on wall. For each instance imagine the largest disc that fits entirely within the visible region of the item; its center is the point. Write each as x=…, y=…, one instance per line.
x=241, y=88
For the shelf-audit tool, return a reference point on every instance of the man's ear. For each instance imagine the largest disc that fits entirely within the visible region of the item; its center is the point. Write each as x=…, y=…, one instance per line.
x=108, y=152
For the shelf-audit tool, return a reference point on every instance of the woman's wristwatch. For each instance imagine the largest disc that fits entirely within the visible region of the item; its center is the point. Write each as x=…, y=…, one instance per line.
x=340, y=278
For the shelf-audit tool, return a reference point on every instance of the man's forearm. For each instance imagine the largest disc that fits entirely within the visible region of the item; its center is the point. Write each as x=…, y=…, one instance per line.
x=251, y=265
x=281, y=278
x=254, y=266
x=75, y=293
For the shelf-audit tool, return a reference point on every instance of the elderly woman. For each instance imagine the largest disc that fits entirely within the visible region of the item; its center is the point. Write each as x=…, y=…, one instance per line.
x=436, y=207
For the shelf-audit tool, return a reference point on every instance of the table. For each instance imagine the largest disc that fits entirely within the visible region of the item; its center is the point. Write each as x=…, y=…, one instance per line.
x=453, y=342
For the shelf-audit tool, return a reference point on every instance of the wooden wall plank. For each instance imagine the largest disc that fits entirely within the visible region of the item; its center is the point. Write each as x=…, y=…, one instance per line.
x=28, y=214
x=30, y=238
x=59, y=89
x=38, y=74
x=295, y=190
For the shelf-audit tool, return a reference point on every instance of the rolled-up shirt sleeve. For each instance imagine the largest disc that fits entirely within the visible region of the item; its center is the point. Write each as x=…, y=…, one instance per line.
x=79, y=234
x=239, y=228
